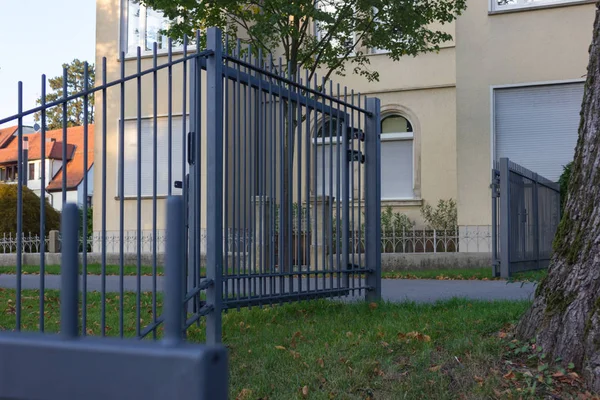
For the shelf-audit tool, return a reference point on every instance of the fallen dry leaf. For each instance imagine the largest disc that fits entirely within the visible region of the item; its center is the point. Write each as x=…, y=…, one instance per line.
x=373, y=306
x=280, y=347
x=305, y=391
x=349, y=334
x=295, y=354
x=510, y=375
x=321, y=362
x=558, y=374
x=478, y=379
x=435, y=368
x=502, y=335
x=245, y=394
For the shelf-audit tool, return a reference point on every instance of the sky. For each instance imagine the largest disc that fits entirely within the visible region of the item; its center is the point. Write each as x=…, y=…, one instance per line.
x=37, y=37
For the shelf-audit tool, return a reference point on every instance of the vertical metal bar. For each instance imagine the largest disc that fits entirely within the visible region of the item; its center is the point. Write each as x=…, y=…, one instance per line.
x=353, y=225
x=289, y=167
x=373, y=198
x=64, y=133
x=122, y=196
x=248, y=216
x=43, y=204
x=495, y=271
x=19, y=206
x=536, y=220
x=155, y=178
x=261, y=172
x=315, y=180
x=280, y=252
x=308, y=184
x=198, y=163
x=69, y=294
x=272, y=177
x=329, y=213
x=103, y=213
x=253, y=168
x=325, y=199
x=138, y=281
x=187, y=191
x=214, y=129
x=361, y=202
x=299, y=186
x=229, y=233
x=340, y=139
x=505, y=218
x=170, y=126
x=85, y=196
x=345, y=197
x=174, y=259
x=242, y=245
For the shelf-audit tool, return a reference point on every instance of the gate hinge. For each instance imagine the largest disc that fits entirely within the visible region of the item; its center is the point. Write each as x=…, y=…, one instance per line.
x=190, y=149
x=355, y=133
x=355, y=155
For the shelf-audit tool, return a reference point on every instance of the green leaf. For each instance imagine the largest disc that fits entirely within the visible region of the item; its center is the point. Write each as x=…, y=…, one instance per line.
x=571, y=365
x=543, y=367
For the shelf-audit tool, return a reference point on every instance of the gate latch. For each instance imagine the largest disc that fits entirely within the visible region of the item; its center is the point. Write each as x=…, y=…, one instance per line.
x=355, y=155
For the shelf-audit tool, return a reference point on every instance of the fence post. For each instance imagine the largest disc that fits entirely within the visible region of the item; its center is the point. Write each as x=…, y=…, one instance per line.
x=504, y=218
x=214, y=179
x=69, y=295
x=373, y=198
x=536, y=226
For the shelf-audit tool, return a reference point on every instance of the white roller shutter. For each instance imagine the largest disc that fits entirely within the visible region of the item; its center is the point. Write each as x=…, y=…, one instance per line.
x=397, y=169
x=147, y=161
x=536, y=126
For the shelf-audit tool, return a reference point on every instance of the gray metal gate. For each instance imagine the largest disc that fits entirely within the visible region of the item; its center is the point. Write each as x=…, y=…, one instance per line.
x=280, y=172
x=525, y=217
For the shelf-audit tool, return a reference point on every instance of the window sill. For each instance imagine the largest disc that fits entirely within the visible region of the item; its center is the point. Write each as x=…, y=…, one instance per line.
x=159, y=54
x=402, y=202
x=540, y=7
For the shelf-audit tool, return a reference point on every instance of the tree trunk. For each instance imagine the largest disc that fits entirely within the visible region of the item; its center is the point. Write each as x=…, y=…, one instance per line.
x=565, y=316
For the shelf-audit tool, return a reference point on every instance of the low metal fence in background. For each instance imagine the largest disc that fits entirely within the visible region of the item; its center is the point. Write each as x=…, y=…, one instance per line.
x=525, y=218
x=473, y=239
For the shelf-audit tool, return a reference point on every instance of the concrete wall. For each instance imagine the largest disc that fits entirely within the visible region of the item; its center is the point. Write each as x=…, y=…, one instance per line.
x=525, y=46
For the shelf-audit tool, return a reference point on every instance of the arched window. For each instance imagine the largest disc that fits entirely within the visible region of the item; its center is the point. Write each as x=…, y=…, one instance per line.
x=397, y=159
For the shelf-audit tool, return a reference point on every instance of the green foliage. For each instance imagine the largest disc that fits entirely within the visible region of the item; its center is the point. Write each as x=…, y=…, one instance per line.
x=443, y=217
x=563, y=181
x=395, y=222
x=90, y=221
x=347, y=28
x=75, y=84
x=31, y=212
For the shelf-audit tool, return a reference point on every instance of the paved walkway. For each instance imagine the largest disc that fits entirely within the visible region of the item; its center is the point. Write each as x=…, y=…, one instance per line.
x=396, y=290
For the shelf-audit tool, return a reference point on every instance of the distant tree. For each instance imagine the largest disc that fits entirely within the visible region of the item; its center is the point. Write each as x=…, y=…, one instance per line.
x=75, y=84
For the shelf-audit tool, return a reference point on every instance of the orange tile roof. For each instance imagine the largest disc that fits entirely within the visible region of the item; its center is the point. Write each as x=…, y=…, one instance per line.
x=75, y=167
x=6, y=133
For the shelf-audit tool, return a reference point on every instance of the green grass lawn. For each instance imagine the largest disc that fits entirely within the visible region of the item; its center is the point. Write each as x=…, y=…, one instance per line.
x=455, y=349
x=462, y=274
x=330, y=350
x=439, y=274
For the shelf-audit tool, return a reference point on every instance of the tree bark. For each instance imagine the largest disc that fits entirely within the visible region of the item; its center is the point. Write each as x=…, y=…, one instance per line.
x=565, y=315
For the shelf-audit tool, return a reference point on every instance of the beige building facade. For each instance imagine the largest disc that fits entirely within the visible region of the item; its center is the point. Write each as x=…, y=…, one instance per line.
x=520, y=68
x=437, y=108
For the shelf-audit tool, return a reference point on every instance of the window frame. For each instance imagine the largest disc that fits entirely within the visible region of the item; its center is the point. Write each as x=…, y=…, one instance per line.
x=124, y=36
x=31, y=171
x=317, y=34
x=401, y=137
x=539, y=4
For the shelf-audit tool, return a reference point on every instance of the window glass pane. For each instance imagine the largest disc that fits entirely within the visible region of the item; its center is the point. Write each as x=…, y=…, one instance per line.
x=500, y=4
x=329, y=129
x=155, y=22
x=397, y=169
x=395, y=124
x=328, y=156
x=133, y=26
x=31, y=171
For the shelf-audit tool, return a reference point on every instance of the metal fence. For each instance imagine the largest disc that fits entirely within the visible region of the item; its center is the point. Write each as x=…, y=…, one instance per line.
x=525, y=217
x=392, y=241
x=130, y=369
x=259, y=138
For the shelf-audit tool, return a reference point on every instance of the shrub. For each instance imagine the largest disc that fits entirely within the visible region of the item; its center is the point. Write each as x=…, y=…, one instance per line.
x=395, y=222
x=444, y=217
x=31, y=212
x=563, y=181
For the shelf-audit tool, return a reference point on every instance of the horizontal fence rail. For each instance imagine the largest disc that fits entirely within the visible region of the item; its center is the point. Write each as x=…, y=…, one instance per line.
x=526, y=214
x=279, y=173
